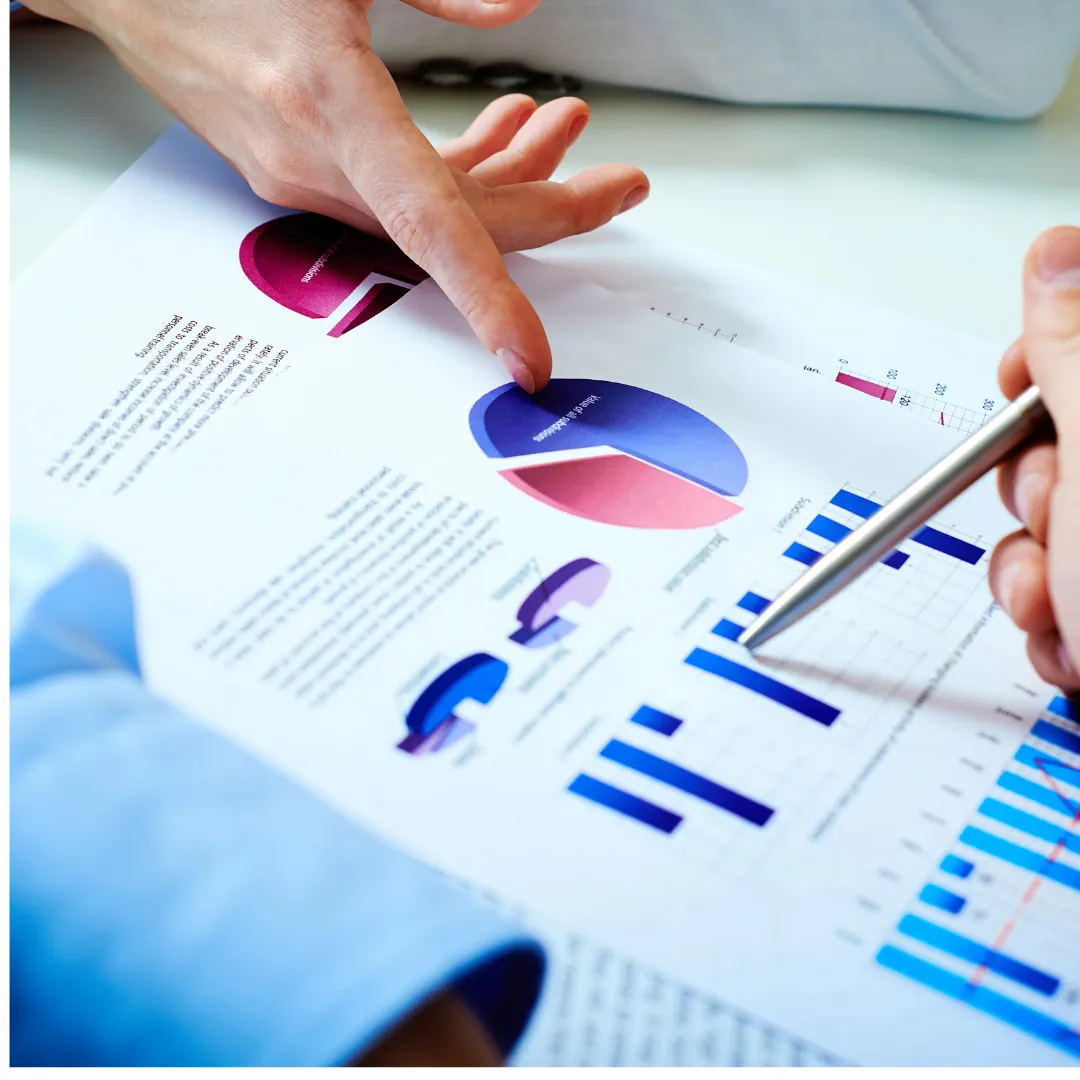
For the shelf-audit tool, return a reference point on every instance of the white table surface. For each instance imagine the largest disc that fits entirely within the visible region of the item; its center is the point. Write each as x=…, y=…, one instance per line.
x=927, y=214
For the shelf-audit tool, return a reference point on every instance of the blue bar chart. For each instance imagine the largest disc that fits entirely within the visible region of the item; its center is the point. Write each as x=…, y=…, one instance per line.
x=764, y=685
x=990, y=932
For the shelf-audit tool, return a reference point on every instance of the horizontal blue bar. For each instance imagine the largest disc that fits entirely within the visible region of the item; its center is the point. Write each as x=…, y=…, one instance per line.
x=761, y=684
x=623, y=802
x=1021, y=856
x=1051, y=733
x=725, y=628
x=896, y=559
x=963, y=948
x=953, y=864
x=667, y=772
x=949, y=545
x=855, y=504
x=1037, y=793
x=1029, y=823
x=1062, y=707
x=936, y=896
x=828, y=529
x=1041, y=760
x=982, y=998
x=753, y=602
x=652, y=718
x=803, y=554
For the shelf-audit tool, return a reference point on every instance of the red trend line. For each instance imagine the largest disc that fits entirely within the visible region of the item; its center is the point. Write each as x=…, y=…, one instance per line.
x=1032, y=889
x=942, y=415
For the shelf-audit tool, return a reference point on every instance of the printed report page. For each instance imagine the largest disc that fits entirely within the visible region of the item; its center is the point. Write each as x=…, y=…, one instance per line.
x=500, y=629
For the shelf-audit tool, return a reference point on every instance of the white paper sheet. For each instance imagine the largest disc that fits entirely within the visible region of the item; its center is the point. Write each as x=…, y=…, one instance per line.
x=311, y=558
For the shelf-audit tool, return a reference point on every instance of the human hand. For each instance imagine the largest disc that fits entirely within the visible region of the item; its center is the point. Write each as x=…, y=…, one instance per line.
x=292, y=95
x=1035, y=573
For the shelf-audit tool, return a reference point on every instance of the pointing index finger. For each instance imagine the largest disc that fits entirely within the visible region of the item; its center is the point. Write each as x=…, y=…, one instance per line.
x=416, y=198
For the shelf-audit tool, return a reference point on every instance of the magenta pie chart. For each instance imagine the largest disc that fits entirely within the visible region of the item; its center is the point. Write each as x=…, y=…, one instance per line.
x=612, y=453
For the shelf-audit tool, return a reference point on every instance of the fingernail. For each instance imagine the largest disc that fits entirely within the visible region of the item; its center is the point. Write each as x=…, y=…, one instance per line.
x=1030, y=489
x=518, y=370
x=575, y=130
x=635, y=198
x=1057, y=260
x=1065, y=660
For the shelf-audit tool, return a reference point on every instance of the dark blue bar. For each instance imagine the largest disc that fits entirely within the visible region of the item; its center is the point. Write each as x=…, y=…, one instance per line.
x=949, y=545
x=624, y=803
x=753, y=680
x=1021, y=856
x=1029, y=823
x=963, y=948
x=1051, y=733
x=982, y=998
x=828, y=529
x=801, y=553
x=896, y=559
x=1044, y=796
x=1039, y=759
x=936, y=896
x=725, y=628
x=953, y=864
x=676, y=776
x=855, y=504
x=652, y=718
x=1062, y=707
x=754, y=603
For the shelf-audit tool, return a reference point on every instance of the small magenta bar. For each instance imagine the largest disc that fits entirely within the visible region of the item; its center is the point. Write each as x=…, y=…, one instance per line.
x=622, y=802
x=762, y=684
x=957, y=867
x=655, y=720
x=865, y=386
x=1061, y=706
x=936, y=896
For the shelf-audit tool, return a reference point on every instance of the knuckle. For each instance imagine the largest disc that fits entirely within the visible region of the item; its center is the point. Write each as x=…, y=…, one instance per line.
x=410, y=220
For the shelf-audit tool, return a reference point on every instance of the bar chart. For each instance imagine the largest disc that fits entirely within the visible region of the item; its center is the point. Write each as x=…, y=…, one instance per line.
x=928, y=579
x=932, y=406
x=705, y=788
x=988, y=930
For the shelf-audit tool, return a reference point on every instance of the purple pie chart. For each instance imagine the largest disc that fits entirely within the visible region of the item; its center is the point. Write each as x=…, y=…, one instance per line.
x=612, y=453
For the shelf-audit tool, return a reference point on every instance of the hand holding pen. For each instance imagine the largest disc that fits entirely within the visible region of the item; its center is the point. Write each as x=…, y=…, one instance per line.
x=1035, y=572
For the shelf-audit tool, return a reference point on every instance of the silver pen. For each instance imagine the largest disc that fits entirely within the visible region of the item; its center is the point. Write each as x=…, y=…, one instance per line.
x=898, y=519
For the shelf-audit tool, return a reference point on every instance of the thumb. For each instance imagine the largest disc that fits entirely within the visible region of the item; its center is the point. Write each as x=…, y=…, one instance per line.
x=484, y=14
x=1052, y=346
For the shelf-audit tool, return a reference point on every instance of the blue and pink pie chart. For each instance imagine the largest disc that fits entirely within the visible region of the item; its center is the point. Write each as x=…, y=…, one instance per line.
x=612, y=453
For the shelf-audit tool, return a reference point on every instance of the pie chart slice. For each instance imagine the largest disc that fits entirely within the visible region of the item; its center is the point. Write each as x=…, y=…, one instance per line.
x=672, y=467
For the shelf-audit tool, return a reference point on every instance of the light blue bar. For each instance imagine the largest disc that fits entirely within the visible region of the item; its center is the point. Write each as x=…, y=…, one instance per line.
x=1060, y=706
x=1029, y=823
x=936, y=896
x=953, y=864
x=963, y=948
x=1039, y=759
x=1021, y=856
x=1037, y=793
x=982, y=998
x=1051, y=733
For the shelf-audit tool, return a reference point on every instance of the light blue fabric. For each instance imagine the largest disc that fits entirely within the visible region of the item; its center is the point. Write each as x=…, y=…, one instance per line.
x=175, y=901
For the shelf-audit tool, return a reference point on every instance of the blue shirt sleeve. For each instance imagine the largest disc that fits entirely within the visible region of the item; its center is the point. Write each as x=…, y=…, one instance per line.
x=175, y=901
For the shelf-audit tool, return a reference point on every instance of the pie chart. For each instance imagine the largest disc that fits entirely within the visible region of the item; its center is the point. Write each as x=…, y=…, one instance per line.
x=612, y=453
